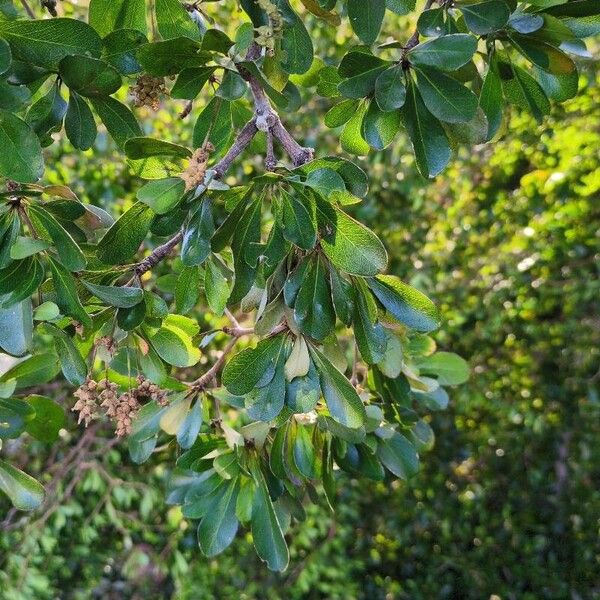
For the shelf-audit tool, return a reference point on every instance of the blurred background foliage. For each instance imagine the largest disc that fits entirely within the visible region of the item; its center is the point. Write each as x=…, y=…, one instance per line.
x=507, y=504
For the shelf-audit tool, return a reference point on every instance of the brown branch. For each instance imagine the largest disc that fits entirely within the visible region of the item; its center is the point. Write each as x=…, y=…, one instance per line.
x=158, y=254
x=414, y=38
x=203, y=381
x=265, y=119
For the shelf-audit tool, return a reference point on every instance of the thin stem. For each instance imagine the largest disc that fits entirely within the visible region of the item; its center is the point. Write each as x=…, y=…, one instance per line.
x=205, y=379
x=28, y=10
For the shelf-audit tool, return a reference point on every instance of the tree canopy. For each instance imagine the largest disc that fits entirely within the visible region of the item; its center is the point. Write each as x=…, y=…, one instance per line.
x=249, y=323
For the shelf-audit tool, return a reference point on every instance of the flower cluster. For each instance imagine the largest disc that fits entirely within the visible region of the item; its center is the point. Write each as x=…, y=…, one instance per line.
x=194, y=174
x=267, y=35
x=121, y=408
x=148, y=90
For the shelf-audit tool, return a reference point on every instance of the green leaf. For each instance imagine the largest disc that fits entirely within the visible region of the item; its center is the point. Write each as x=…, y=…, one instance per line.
x=36, y=370
x=162, y=195
x=558, y=87
x=485, y=17
x=173, y=20
x=265, y=402
x=122, y=240
x=232, y=86
x=406, y=304
x=66, y=293
x=45, y=42
x=47, y=113
x=298, y=221
x=398, y=456
x=24, y=247
x=349, y=245
x=351, y=139
x=343, y=402
x=23, y=278
x=304, y=452
x=366, y=18
x=107, y=15
x=47, y=311
x=69, y=252
x=5, y=56
x=220, y=524
x=216, y=287
x=296, y=43
x=523, y=90
x=390, y=91
x=145, y=147
x=16, y=328
x=190, y=82
x=446, y=367
x=266, y=530
x=187, y=290
x=14, y=415
x=21, y=158
x=245, y=369
x=340, y=113
x=491, y=100
x=369, y=333
x=79, y=123
x=171, y=56
x=444, y=97
x=23, y=491
x=71, y=362
x=214, y=124
x=120, y=49
x=49, y=419
x=303, y=393
x=362, y=71
x=89, y=76
x=119, y=296
x=175, y=347
x=313, y=308
x=118, y=119
x=195, y=247
x=448, y=52
x=543, y=55
x=429, y=141
x=380, y=128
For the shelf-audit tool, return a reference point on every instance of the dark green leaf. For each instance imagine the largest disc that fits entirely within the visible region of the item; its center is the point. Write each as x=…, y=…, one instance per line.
x=122, y=240
x=485, y=17
x=348, y=244
x=245, y=369
x=21, y=158
x=366, y=18
x=89, y=76
x=79, y=123
x=190, y=82
x=45, y=42
x=343, y=402
x=298, y=225
x=266, y=530
x=405, y=303
x=390, y=91
x=313, y=308
x=220, y=524
x=24, y=491
x=69, y=252
x=118, y=119
x=162, y=195
x=173, y=20
x=195, y=248
x=107, y=15
x=66, y=293
x=214, y=125
x=429, y=141
x=448, y=52
x=399, y=456
x=444, y=97
x=119, y=296
x=380, y=128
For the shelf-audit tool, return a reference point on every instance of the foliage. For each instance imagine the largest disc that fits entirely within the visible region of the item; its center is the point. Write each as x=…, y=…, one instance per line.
x=281, y=245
